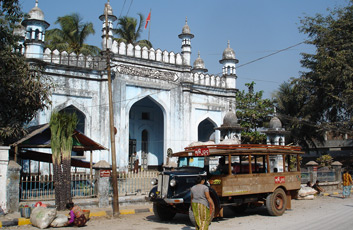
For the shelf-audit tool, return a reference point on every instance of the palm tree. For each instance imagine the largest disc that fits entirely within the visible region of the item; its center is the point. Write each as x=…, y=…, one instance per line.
x=129, y=32
x=71, y=36
x=62, y=126
x=55, y=129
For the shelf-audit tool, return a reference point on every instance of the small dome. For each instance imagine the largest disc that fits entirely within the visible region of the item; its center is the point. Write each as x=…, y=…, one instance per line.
x=186, y=28
x=230, y=119
x=108, y=9
x=228, y=53
x=199, y=63
x=275, y=123
x=36, y=13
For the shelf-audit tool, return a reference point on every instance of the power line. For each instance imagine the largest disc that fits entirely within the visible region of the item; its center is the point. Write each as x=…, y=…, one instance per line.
x=122, y=9
x=271, y=54
x=129, y=7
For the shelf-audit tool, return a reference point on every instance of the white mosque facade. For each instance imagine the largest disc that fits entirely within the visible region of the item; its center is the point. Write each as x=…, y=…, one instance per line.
x=160, y=100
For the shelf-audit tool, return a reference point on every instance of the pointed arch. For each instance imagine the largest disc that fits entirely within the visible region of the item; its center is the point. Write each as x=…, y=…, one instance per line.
x=205, y=129
x=147, y=126
x=80, y=109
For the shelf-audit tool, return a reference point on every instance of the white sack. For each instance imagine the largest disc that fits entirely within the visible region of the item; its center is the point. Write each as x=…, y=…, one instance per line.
x=306, y=191
x=59, y=221
x=42, y=217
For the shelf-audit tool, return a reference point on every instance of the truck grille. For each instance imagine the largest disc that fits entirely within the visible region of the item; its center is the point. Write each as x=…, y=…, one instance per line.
x=163, y=182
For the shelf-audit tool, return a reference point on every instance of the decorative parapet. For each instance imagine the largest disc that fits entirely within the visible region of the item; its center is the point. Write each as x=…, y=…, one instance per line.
x=72, y=59
x=90, y=62
x=206, y=80
x=147, y=54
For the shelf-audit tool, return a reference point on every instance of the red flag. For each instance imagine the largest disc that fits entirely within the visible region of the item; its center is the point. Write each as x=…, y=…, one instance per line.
x=148, y=19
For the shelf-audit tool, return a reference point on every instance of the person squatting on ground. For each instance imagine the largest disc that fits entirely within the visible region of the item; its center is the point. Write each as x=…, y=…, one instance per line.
x=317, y=187
x=347, y=184
x=77, y=218
x=201, y=203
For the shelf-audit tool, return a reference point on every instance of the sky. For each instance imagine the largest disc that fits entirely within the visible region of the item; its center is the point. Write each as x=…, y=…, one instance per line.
x=255, y=29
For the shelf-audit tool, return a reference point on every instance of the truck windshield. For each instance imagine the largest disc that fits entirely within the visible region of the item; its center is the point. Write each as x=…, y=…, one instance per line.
x=192, y=161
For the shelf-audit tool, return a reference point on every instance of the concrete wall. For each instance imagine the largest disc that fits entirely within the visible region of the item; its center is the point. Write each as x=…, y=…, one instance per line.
x=4, y=160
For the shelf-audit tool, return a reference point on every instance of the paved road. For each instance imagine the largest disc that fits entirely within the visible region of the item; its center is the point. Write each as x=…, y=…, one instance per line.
x=327, y=212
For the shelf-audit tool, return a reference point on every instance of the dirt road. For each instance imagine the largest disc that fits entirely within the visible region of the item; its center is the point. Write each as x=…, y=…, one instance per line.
x=326, y=212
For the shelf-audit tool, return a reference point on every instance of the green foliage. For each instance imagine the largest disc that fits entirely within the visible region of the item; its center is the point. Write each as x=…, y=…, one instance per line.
x=328, y=85
x=252, y=112
x=325, y=160
x=10, y=16
x=23, y=89
x=290, y=100
x=71, y=36
x=321, y=99
x=129, y=31
x=293, y=162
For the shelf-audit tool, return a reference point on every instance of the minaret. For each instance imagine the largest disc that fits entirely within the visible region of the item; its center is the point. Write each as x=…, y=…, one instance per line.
x=108, y=13
x=186, y=37
x=229, y=69
x=35, y=33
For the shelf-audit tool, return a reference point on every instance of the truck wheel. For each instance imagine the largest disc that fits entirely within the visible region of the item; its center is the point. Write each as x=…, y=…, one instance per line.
x=276, y=202
x=162, y=212
x=192, y=217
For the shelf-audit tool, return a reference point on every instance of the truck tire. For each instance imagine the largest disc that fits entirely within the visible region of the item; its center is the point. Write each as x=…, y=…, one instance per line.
x=192, y=217
x=276, y=202
x=162, y=212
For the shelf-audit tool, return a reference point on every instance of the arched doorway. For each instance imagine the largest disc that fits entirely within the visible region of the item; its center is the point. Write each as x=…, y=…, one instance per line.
x=205, y=130
x=146, y=128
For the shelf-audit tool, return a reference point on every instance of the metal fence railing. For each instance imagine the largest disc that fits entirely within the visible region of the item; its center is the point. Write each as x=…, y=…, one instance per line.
x=42, y=187
x=135, y=183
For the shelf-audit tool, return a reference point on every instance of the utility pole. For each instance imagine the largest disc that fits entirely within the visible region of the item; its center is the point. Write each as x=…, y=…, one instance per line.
x=111, y=119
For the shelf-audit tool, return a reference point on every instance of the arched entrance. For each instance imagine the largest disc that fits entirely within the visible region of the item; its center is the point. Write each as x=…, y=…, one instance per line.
x=205, y=130
x=146, y=130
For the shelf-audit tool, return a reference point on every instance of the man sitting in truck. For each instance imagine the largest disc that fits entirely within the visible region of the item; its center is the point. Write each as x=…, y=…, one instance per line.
x=222, y=168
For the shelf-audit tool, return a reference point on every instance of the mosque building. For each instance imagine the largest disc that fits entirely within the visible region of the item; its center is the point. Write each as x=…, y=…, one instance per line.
x=160, y=100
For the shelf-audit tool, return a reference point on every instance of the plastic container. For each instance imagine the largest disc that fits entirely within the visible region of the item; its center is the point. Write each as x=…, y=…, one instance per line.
x=25, y=212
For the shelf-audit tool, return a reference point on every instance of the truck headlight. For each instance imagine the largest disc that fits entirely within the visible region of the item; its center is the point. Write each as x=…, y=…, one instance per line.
x=172, y=182
x=154, y=181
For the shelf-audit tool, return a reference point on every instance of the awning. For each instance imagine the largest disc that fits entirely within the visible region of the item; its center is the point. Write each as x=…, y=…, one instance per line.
x=39, y=137
x=46, y=157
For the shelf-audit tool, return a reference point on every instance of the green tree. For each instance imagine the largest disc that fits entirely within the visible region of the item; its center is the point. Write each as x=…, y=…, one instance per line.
x=62, y=126
x=23, y=89
x=325, y=160
x=328, y=83
x=72, y=36
x=129, y=31
x=252, y=112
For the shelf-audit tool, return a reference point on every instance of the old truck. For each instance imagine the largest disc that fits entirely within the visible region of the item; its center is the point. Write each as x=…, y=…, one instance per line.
x=249, y=179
